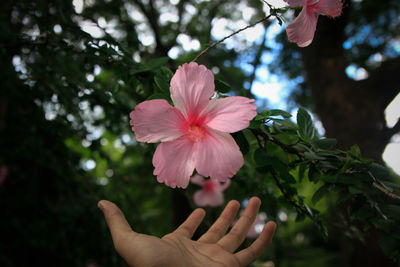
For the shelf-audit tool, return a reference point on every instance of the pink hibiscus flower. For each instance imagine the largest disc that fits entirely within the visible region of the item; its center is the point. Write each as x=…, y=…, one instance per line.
x=211, y=194
x=195, y=133
x=301, y=30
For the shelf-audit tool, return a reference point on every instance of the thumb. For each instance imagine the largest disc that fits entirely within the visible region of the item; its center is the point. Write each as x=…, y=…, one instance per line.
x=115, y=219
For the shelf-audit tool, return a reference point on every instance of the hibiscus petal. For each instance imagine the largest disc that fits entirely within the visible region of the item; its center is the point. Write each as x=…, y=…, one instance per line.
x=296, y=2
x=230, y=114
x=332, y=8
x=197, y=179
x=173, y=162
x=202, y=198
x=217, y=156
x=302, y=29
x=191, y=88
x=156, y=121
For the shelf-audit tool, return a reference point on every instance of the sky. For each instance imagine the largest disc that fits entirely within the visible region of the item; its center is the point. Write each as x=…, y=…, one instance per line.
x=266, y=86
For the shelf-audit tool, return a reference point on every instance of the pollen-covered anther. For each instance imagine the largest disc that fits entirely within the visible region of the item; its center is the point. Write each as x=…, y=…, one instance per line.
x=195, y=133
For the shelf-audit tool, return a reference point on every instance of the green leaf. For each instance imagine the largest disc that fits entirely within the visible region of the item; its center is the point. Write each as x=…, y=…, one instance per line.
x=306, y=127
x=161, y=83
x=167, y=73
x=312, y=156
x=260, y=117
x=393, y=210
x=388, y=244
x=302, y=170
x=345, y=179
x=344, y=196
x=282, y=125
x=283, y=202
x=265, y=129
x=322, y=191
x=279, y=112
x=160, y=96
x=287, y=177
x=282, y=170
x=261, y=158
x=300, y=217
x=347, y=164
x=355, y=152
x=355, y=190
x=328, y=178
x=313, y=173
x=380, y=172
x=242, y=142
x=363, y=213
x=325, y=143
x=222, y=87
x=156, y=63
x=255, y=124
x=363, y=177
x=326, y=165
x=287, y=139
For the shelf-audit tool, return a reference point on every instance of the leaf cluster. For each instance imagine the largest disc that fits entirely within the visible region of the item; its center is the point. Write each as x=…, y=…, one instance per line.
x=361, y=193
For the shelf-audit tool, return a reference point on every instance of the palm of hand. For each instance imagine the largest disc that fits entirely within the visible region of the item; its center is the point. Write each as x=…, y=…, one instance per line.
x=177, y=248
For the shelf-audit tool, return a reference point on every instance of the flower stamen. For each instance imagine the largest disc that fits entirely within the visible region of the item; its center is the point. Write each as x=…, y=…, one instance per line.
x=195, y=133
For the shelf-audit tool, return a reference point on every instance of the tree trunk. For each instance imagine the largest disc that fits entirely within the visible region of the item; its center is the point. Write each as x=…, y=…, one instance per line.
x=351, y=111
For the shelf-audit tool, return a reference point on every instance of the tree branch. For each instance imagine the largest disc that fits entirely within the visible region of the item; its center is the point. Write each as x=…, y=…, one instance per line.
x=257, y=58
x=152, y=17
x=299, y=208
x=257, y=138
x=227, y=37
x=386, y=192
x=286, y=148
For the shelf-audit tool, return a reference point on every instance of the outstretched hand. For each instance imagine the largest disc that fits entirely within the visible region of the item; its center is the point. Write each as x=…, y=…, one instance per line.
x=213, y=248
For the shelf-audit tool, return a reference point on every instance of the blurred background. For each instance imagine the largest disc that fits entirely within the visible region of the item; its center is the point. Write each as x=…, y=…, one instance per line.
x=72, y=71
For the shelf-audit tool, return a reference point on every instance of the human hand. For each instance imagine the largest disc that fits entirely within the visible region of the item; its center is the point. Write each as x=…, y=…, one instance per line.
x=213, y=248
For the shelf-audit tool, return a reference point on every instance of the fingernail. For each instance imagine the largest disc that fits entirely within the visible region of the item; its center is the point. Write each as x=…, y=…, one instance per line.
x=100, y=205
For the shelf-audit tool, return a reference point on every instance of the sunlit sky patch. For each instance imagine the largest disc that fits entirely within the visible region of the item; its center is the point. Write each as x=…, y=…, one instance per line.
x=391, y=154
x=356, y=73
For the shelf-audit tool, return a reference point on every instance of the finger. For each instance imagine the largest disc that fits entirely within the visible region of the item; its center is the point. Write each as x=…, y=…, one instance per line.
x=115, y=219
x=218, y=229
x=250, y=254
x=235, y=237
x=188, y=227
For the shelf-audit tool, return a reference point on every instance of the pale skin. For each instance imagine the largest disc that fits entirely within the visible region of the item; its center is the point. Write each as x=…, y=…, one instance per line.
x=214, y=248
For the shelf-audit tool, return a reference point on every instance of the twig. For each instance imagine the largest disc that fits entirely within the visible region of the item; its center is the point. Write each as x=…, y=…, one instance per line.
x=286, y=148
x=230, y=35
x=257, y=138
x=301, y=209
x=284, y=193
x=385, y=191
